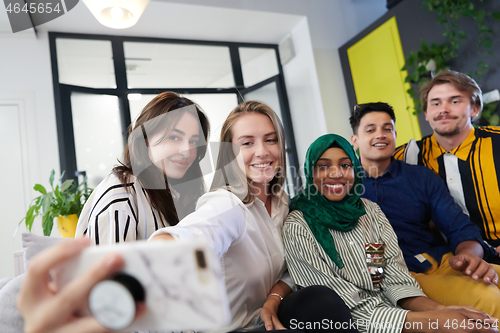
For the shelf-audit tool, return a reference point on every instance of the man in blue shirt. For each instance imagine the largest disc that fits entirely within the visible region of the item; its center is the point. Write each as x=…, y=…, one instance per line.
x=411, y=196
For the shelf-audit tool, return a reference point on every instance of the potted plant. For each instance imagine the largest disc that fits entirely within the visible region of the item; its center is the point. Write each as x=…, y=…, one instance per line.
x=65, y=202
x=449, y=14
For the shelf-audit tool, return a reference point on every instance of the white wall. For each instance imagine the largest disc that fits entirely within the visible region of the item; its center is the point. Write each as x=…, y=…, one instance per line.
x=303, y=92
x=25, y=68
x=26, y=77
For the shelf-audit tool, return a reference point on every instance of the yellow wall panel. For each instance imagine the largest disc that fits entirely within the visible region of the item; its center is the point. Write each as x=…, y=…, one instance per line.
x=376, y=62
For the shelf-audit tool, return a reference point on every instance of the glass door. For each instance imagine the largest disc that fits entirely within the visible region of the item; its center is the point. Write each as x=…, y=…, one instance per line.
x=98, y=134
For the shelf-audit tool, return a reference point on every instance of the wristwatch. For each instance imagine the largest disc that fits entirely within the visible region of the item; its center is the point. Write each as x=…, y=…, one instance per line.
x=113, y=302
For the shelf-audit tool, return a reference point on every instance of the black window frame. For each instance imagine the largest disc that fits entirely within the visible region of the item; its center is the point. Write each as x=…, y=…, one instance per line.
x=62, y=94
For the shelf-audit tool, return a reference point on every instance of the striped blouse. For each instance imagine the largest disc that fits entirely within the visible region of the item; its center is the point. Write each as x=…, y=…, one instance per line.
x=374, y=310
x=117, y=212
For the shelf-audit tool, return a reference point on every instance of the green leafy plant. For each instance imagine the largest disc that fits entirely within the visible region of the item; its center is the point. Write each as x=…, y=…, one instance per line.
x=448, y=13
x=65, y=199
x=422, y=63
x=489, y=115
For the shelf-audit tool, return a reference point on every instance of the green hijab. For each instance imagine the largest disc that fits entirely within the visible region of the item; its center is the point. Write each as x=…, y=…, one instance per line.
x=322, y=214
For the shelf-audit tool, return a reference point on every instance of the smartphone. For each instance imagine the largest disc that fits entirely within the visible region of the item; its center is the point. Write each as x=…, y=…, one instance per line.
x=180, y=282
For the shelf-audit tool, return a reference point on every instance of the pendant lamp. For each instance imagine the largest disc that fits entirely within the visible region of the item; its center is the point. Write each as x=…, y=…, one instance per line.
x=116, y=14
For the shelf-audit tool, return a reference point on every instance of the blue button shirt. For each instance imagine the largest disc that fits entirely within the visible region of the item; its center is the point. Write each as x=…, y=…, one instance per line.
x=410, y=196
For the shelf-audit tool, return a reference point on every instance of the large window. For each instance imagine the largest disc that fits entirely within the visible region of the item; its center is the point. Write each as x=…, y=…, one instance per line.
x=101, y=84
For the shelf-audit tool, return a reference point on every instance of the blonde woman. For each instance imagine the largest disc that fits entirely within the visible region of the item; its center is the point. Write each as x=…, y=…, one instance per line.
x=243, y=216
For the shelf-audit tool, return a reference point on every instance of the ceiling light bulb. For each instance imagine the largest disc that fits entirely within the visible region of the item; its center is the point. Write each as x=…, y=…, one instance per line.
x=116, y=13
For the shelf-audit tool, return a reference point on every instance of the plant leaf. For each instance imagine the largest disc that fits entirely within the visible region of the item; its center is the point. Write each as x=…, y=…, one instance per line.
x=47, y=223
x=479, y=17
x=424, y=46
x=57, y=194
x=51, y=178
x=423, y=81
x=494, y=120
x=40, y=188
x=487, y=42
x=66, y=185
x=29, y=217
x=414, y=76
x=46, y=202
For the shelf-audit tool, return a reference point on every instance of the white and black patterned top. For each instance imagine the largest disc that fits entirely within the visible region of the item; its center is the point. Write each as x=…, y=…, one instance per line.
x=374, y=309
x=117, y=212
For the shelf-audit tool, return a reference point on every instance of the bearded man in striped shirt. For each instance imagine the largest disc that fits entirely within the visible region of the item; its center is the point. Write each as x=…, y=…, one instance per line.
x=466, y=158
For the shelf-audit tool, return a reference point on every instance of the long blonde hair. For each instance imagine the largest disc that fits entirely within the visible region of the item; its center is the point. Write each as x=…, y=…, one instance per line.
x=228, y=175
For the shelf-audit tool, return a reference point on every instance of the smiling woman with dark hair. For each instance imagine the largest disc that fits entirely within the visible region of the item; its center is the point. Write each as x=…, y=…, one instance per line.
x=336, y=239
x=159, y=180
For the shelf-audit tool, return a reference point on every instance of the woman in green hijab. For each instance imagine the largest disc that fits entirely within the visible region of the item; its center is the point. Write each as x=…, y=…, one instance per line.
x=334, y=238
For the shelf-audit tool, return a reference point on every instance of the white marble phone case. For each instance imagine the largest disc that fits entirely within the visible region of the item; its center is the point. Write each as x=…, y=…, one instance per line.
x=180, y=295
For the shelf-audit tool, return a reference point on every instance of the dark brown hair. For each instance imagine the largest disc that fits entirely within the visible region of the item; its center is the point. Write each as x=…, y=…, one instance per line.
x=360, y=110
x=228, y=174
x=155, y=183
x=460, y=81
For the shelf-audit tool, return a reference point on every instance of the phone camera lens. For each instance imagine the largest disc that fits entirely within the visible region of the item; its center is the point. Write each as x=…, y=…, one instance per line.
x=200, y=259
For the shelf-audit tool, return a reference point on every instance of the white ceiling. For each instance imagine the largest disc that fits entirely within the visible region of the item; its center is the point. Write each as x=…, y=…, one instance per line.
x=331, y=22
x=175, y=20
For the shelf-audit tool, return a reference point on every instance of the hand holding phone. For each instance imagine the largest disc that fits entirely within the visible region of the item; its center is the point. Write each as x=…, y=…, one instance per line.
x=47, y=310
x=179, y=281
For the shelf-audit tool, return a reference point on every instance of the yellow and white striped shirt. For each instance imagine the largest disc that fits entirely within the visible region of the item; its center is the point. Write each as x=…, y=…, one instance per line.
x=470, y=171
x=375, y=310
